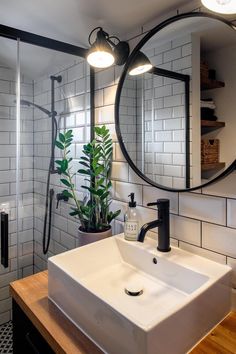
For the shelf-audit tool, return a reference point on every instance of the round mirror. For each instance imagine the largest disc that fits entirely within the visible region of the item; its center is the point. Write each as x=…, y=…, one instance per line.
x=175, y=103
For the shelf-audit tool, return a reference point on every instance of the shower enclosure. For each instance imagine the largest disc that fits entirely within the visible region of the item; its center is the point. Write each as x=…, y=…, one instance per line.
x=44, y=89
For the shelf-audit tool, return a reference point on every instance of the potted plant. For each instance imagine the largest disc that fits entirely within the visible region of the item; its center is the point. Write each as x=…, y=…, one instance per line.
x=93, y=212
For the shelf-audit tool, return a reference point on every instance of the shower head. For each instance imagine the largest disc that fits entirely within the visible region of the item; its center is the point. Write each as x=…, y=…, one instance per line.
x=28, y=103
x=25, y=103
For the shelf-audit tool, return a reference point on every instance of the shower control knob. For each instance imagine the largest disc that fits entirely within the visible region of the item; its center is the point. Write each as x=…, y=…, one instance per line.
x=61, y=196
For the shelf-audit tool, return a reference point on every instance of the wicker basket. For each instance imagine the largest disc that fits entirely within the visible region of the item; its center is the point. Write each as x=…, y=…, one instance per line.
x=210, y=150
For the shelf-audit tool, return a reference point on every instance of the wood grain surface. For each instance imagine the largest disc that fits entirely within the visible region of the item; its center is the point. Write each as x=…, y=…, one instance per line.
x=222, y=340
x=31, y=294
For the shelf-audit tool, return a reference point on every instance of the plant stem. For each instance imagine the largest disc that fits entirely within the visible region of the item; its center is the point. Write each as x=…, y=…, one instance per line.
x=73, y=192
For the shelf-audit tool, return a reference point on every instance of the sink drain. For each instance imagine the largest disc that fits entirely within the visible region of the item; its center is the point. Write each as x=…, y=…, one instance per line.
x=132, y=293
x=134, y=290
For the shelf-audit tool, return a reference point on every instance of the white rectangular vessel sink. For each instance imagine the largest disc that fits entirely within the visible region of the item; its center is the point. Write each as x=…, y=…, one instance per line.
x=179, y=297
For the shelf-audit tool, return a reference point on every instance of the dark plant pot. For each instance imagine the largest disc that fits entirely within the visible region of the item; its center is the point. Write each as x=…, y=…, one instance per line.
x=85, y=238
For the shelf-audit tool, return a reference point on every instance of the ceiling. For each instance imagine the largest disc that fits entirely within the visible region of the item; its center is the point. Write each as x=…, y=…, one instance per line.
x=71, y=21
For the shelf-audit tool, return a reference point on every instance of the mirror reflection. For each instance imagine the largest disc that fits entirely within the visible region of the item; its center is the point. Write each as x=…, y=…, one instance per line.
x=179, y=135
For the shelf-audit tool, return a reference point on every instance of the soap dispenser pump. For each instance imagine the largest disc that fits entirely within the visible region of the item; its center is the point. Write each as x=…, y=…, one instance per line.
x=131, y=226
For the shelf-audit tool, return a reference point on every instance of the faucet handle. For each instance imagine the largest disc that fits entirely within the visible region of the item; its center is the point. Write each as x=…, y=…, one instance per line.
x=163, y=203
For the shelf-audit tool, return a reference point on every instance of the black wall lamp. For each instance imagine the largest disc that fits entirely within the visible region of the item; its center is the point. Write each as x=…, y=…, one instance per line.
x=105, y=51
x=140, y=64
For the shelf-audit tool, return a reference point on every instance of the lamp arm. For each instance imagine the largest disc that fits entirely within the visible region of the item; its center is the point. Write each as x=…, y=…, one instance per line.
x=89, y=37
x=110, y=41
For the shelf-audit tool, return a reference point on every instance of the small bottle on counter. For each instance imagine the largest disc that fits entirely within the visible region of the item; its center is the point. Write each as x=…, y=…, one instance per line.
x=131, y=226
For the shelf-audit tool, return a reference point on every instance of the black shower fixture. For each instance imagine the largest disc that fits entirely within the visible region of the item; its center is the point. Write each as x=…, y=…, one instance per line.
x=51, y=169
x=106, y=50
x=31, y=104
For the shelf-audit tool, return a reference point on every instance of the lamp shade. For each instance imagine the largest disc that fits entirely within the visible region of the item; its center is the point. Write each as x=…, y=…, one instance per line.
x=221, y=6
x=100, y=55
x=140, y=65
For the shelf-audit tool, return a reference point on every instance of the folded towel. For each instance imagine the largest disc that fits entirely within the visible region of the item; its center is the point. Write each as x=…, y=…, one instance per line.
x=208, y=104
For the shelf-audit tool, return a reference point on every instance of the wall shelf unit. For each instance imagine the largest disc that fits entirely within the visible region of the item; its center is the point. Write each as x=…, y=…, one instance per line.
x=208, y=84
x=208, y=126
x=213, y=166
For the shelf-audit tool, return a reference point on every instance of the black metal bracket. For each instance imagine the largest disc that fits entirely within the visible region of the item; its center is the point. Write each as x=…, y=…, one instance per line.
x=4, y=239
x=41, y=41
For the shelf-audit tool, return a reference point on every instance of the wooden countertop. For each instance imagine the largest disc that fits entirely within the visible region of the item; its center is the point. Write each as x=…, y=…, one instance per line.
x=31, y=294
x=221, y=340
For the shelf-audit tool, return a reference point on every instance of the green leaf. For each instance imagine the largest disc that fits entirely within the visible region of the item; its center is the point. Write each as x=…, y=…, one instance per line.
x=84, y=172
x=84, y=158
x=66, y=183
x=109, y=152
x=104, y=196
x=67, y=194
x=91, y=190
x=108, y=143
x=59, y=145
x=64, y=165
x=62, y=137
x=58, y=162
x=68, y=134
x=84, y=164
x=109, y=184
x=74, y=213
x=100, y=192
x=100, y=182
x=98, y=170
x=112, y=215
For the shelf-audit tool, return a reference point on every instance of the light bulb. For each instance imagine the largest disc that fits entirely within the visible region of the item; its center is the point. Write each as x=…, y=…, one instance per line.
x=140, y=69
x=140, y=64
x=100, y=59
x=221, y=6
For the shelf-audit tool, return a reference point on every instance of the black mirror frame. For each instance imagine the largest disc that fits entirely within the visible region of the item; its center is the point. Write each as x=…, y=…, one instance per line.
x=151, y=33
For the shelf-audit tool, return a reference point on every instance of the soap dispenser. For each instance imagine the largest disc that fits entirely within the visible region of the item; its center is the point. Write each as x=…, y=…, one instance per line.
x=131, y=226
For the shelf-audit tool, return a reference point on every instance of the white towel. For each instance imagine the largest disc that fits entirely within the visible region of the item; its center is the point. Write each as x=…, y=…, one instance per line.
x=208, y=104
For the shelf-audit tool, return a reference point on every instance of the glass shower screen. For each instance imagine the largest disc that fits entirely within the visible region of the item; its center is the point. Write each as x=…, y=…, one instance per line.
x=42, y=93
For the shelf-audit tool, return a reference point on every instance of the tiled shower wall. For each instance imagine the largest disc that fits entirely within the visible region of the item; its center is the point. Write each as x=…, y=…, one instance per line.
x=72, y=106
x=202, y=222
x=8, y=183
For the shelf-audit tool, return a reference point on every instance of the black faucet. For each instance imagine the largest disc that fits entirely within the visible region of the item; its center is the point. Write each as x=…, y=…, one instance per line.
x=163, y=224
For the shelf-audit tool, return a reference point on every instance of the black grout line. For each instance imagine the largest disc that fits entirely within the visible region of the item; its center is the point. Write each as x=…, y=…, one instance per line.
x=201, y=233
x=226, y=212
x=206, y=249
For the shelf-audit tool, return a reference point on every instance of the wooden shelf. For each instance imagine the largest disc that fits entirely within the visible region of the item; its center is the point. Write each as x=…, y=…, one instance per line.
x=211, y=84
x=208, y=126
x=212, y=166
